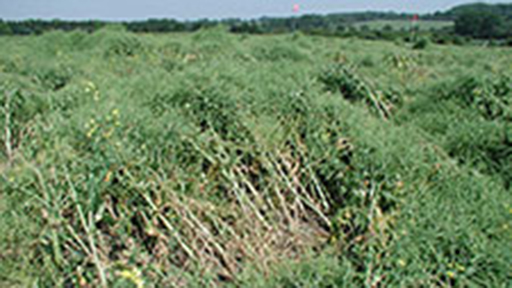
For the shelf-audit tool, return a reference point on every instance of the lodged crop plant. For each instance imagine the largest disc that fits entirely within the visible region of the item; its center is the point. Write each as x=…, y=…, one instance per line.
x=210, y=159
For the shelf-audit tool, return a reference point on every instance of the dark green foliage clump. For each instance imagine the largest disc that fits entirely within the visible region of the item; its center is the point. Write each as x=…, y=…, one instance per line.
x=213, y=41
x=211, y=109
x=343, y=79
x=421, y=44
x=114, y=41
x=472, y=117
x=279, y=52
x=492, y=98
x=53, y=78
x=123, y=46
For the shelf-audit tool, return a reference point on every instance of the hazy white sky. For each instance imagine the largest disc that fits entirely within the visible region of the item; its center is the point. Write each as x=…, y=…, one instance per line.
x=193, y=9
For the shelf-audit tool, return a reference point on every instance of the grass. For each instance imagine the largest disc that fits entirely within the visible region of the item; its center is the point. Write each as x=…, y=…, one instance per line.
x=212, y=159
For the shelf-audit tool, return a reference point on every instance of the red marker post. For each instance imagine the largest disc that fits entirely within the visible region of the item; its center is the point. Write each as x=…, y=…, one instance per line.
x=296, y=10
x=414, y=25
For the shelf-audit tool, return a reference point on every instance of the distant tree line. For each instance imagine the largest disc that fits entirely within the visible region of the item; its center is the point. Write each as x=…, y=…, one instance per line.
x=328, y=23
x=483, y=21
x=479, y=21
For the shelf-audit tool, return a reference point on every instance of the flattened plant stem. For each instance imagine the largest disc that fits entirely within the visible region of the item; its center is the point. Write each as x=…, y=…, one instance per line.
x=50, y=204
x=170, y=227
x=8, y=135
x=90, y=236
x=99, y=265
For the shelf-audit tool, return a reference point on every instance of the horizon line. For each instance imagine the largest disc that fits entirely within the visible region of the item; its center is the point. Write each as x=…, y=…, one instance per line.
x=192, y=19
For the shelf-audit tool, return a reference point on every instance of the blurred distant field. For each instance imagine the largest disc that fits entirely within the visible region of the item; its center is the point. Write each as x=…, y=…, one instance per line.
x=212, y=159
x=423, y=25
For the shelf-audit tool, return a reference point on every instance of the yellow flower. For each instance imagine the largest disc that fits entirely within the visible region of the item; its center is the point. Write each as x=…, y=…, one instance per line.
x=134, y=276
x=108, y=134
x=402, y=263
x=11, y=179
x=510, y=210
x=91, y=132
x=450, y=274
x=90, y=84
x=115, y=112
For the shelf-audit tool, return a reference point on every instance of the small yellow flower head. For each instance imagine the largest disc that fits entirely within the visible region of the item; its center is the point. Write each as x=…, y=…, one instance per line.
x=450, y=274
x=90, y=84
x=11, y=179
x=92, y=121
x=134, y=276
x=401, y=263
x=108, y=134
x=510, y=210
x=91, y=132
x=117, y=123
x=115, y=112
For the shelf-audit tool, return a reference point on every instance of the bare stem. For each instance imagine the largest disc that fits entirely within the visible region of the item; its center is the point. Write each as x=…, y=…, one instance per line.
x=8, y=135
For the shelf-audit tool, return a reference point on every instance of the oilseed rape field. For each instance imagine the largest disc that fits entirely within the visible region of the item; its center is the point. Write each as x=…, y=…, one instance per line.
x=211, y=159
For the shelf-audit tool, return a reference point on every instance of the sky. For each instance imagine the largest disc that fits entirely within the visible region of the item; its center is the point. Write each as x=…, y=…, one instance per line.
x=195, y=9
